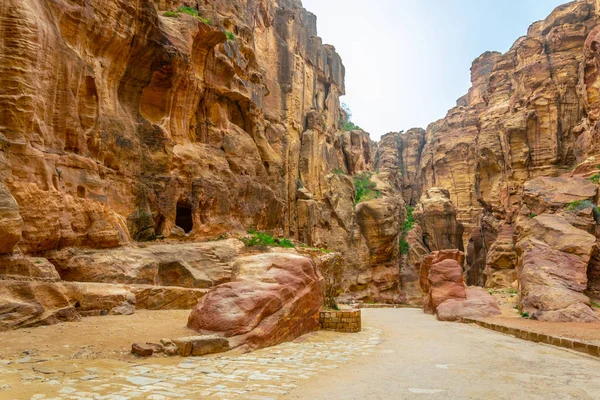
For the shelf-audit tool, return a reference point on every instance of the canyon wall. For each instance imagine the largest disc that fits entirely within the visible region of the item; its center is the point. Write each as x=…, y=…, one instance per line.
x=530, y=113
x=125, y=122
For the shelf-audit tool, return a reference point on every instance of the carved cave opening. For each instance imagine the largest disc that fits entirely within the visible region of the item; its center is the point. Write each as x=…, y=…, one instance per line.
x=183, y=218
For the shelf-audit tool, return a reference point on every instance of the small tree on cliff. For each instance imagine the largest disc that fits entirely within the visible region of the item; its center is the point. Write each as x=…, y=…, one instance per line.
x=345, y=121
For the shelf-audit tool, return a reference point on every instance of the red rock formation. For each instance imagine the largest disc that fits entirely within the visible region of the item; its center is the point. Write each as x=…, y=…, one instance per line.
x=553, y=260
x=478, y=304
x=274, y=298
x=442, y=278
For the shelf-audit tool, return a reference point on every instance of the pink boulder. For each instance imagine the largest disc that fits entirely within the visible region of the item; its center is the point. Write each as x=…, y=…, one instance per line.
x=444, y=278
x=478, y=304
x=275, y=297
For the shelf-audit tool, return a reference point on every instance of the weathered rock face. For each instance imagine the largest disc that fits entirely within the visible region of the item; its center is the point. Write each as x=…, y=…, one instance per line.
x=11, y=222
x=153, y=122
x=399, y=155
x=500, y=269
x=436, y=215
x=275, y=297
x=553, y=260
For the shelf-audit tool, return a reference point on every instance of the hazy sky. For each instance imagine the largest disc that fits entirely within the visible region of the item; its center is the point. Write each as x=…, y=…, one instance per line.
x=407, y=61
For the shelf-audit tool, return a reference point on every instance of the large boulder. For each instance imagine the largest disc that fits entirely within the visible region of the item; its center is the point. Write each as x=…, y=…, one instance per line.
x=24, y=304
x=275, y=297
x=436, y=215
x=552, y=270
x=444, y=278
x=193, y=265
x=478, y=304
x=11, y=223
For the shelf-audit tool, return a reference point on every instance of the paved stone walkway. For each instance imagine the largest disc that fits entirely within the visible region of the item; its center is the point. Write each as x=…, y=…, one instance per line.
x=261, y=375
x=400, y=354
x=422, y=358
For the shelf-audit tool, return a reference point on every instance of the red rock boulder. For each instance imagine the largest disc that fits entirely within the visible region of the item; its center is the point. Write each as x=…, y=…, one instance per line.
x=478, y=304
x=275, y=297
x=444, y=278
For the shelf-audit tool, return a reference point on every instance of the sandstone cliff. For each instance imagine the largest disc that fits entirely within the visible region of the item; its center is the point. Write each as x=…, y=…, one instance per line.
x=129, y=122
x=178, y=121
x=530, y=113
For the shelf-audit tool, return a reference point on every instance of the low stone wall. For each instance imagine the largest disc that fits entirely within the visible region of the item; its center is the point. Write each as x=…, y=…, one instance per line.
x=583, y=347
x=340, y=321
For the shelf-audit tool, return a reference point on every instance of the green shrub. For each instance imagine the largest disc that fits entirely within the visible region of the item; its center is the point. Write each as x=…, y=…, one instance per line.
x=205, y=21
x=404, y=247
x=595, y=305
x=407, y=225
x=409, y=222
x=188, y=11
x=532, y=216
x=365, y=189
x=230, y=36
x=595, y=179
x=171, y=14
x=579, y=205
x=351, y=126
x=339, y=171
x=266, y=240
x=525, y=315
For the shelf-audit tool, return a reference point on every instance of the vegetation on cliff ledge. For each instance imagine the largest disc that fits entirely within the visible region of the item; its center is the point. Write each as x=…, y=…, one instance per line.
x=345, y=123
x=230, y=35
x=365, y=188
x=407, y=225
x=189, y=11
x=265, y=240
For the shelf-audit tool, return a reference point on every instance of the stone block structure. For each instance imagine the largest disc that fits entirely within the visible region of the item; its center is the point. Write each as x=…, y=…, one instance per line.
x=340, y=321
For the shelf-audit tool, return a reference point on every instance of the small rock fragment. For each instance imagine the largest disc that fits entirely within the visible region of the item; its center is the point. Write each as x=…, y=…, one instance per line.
x=169, y=347
x=142, y=350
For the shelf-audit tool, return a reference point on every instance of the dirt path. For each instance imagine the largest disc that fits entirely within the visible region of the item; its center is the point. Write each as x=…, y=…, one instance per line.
x=421, y=358
x=401, y=354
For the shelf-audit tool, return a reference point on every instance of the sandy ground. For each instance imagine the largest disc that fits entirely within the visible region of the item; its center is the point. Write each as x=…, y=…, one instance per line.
x=422, y=358
x=107, y=337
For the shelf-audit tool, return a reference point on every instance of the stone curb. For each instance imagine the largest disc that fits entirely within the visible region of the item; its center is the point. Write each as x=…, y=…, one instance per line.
x=383, y=305
x=571, y=344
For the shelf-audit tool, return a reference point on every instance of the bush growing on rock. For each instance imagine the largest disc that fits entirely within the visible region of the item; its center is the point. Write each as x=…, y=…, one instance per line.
x=265, y=240
x=407, y=225
x=580, y=205
x=188, y=10
x=365, y=188
x=230, y=35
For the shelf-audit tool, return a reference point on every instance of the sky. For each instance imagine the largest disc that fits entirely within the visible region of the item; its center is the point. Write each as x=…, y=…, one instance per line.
x=408, y=61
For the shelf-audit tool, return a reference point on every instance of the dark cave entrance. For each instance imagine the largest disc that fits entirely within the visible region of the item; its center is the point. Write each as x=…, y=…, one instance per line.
x=183, y=219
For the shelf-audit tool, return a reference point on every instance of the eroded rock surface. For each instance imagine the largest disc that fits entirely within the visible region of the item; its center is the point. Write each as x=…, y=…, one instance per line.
x=442, y=278
x=552, y=270
x=275, y=297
